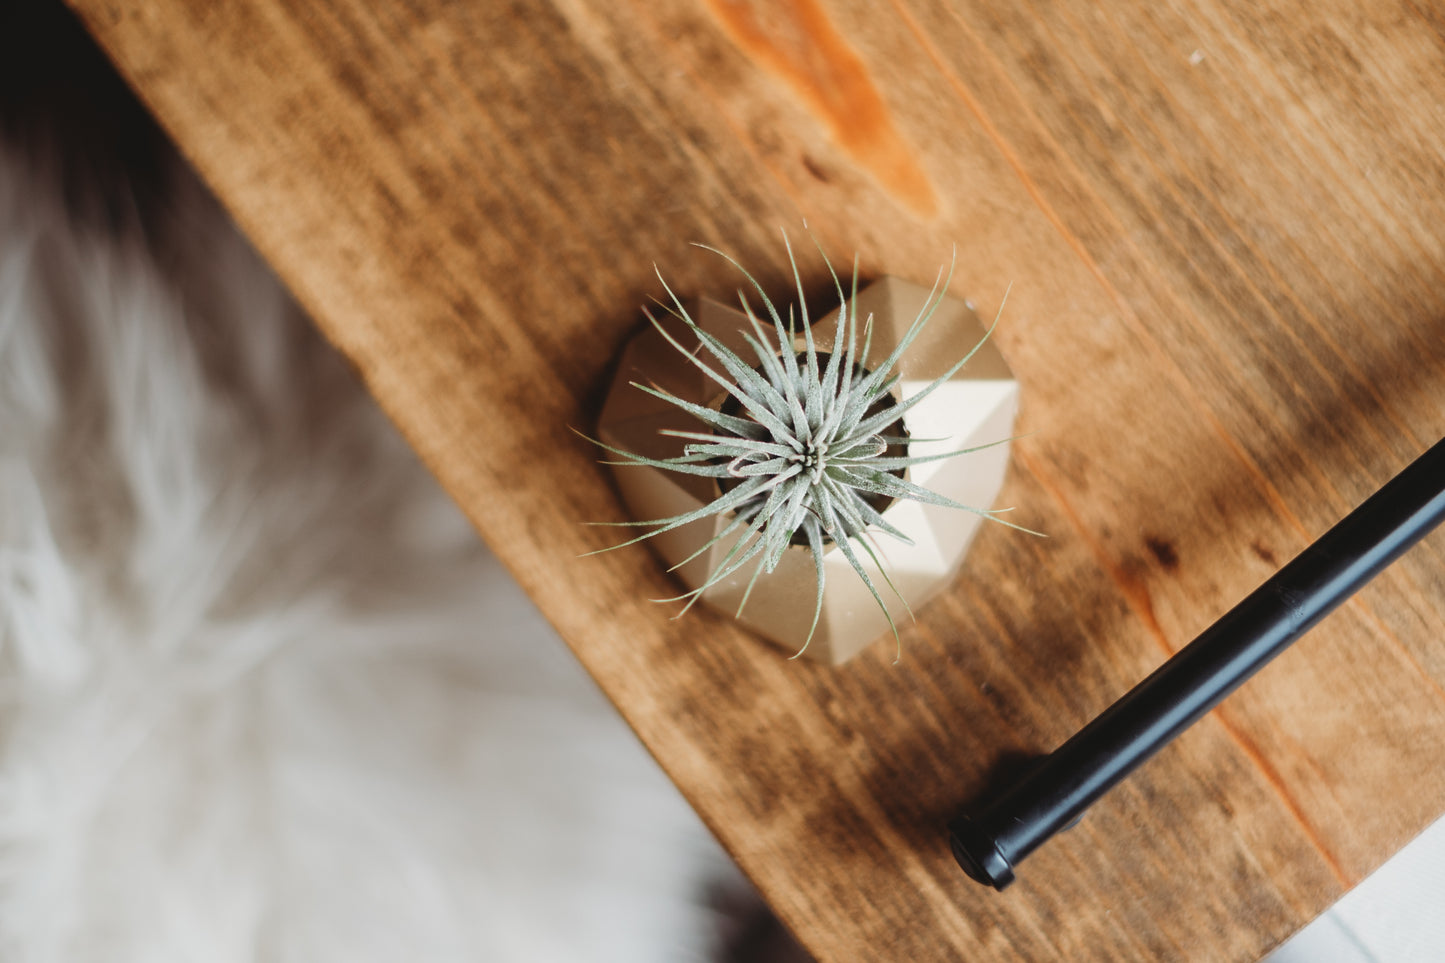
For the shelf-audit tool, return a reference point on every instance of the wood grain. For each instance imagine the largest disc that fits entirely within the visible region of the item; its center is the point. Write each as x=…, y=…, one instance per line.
x=1221, y=222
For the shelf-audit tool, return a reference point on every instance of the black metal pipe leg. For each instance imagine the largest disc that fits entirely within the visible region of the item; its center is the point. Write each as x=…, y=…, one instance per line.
x=990, y=842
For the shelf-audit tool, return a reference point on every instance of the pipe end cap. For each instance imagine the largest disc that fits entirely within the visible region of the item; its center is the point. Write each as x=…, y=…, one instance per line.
x=978, y=855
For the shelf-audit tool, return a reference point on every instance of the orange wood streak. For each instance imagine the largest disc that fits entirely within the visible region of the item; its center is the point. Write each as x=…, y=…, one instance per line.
x=825, y=72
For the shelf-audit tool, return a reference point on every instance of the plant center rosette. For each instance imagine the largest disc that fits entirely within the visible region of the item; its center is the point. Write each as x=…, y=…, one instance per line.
x=816, y=455
x=807, y=477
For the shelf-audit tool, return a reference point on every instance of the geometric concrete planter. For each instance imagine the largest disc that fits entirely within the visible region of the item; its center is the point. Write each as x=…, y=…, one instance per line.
x=975, y=407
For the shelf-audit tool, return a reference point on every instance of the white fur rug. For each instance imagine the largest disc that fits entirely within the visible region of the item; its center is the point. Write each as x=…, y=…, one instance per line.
x=263, y=695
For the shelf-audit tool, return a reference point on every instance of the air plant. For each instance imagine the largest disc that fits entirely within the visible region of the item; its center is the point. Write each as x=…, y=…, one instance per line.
x=807, y=446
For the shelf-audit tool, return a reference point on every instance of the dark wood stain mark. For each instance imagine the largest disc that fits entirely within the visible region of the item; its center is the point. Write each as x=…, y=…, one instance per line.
x=1264, y=553
x=829, y=77
x=814, y=168
x=1163, y=551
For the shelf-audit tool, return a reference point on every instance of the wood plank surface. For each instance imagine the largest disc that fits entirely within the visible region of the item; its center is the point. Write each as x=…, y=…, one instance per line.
x=1222, y=223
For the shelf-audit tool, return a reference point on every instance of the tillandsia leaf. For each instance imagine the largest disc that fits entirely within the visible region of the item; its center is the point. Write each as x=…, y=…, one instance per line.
x=683, y=464
x=935, y=298
x=816, y=549
x=876, y=422
x=813, y=386
x=873, y=520
x=883, y=483
x=808, y=448
x=867, y=544
x=737, y=522
x=753, y=383
x=777, y=377
x=729, y=423
x=753, y=392
x=845, y=545
x=748, y=546
x=722, y=443
x=724, y=503
x=908, y=461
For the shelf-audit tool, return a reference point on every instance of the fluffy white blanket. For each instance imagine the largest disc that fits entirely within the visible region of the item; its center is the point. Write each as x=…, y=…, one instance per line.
x=263, y=695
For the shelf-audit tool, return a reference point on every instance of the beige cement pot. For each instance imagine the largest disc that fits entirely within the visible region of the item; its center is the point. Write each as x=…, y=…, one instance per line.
x=975, y=407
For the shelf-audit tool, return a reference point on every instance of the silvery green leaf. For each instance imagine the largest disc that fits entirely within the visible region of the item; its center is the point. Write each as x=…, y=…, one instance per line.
x=729, y=423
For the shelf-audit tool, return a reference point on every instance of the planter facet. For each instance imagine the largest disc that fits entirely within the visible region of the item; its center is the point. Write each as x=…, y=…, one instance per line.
x=975, y=407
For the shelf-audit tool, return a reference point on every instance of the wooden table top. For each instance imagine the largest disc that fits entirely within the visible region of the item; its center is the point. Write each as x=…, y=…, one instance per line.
x=1222, y=223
